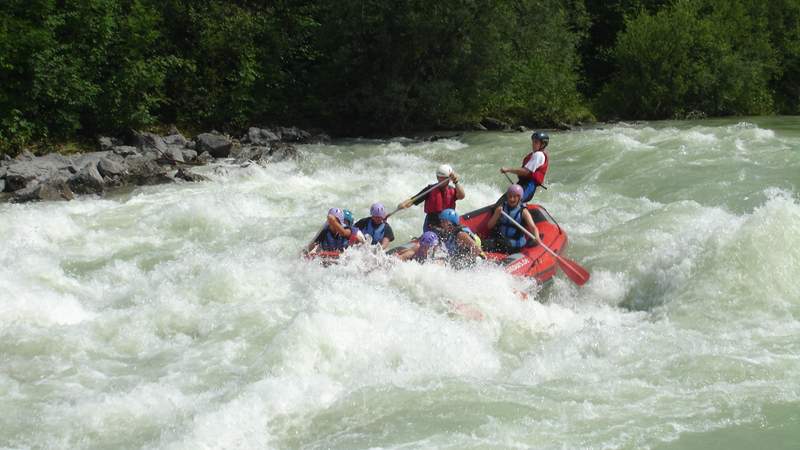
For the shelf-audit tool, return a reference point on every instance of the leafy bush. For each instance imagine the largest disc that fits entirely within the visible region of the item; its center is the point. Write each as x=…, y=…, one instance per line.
x=691, y=56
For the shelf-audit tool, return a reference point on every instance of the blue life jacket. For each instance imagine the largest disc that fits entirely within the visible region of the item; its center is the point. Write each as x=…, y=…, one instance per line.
x=515, y=236
x=332, y=242
x=375, y=232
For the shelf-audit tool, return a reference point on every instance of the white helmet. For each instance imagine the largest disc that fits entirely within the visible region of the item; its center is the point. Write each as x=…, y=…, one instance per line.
x=444, y=171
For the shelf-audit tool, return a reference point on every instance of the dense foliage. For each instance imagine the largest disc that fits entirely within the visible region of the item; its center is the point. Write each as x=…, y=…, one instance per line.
x=77, y=68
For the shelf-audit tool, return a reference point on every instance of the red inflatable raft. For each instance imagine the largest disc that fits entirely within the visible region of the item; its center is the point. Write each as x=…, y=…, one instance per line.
x=532, y=262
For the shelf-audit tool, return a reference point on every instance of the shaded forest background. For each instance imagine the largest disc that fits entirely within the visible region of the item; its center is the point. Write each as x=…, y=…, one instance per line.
x=73, y=69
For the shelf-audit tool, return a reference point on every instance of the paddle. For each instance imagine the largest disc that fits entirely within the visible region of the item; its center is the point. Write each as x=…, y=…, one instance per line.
x=306, y=251
x=418, y=196
x=574, y=271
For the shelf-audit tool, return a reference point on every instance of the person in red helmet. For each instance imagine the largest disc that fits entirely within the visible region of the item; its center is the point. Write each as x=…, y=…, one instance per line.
x=534, y=166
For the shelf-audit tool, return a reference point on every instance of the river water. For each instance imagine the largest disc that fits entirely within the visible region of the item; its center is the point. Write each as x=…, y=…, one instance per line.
x=182, y=317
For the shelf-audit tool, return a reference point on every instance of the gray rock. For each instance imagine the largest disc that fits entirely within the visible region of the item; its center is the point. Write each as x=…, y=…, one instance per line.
x=125, y=150
x=205, y=157
x=108, y=143
x=192, y=145
x=110, y=168
x=189, y=155
x=3, y=170
x=176, y=139
x=2, y=185
x=293, y=134
x=26, y=155
x=478, y=127
x=146, y=141
x=79, y=161
x=217, y=145
x=283, y=152
x=20, y=173
x=495, y=124
x=258, y=136
x=53, y=189
x=174, y=154
x=263, y=155
x=188, y=175
x=143, y=170
x=87, y=181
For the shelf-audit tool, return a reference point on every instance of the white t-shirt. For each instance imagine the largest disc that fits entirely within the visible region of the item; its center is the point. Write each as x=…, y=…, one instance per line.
x=536, y=160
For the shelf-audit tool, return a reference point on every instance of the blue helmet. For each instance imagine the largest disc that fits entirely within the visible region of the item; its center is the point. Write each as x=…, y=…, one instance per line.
x=541, y=136
x=449, y=215
x=348, y=216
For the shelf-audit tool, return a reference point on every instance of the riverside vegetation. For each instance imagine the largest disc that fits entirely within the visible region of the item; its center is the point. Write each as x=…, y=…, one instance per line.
x=72, y=70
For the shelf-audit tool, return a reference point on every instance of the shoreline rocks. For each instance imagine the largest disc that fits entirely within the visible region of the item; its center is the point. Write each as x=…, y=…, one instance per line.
x=145, y=159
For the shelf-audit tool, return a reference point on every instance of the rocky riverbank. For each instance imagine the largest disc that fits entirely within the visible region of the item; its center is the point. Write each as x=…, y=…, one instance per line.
x=142, y=159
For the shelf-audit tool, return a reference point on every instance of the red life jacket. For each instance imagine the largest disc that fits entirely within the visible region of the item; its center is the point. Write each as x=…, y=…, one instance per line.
x=539, y=173
x=438, y=200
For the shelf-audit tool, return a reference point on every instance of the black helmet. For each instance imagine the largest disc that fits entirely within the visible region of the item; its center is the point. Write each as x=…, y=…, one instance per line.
x=540, y=136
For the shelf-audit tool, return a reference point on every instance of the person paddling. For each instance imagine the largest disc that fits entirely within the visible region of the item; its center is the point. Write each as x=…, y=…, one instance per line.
x=462, y=245
x=534, y=166
x=423, y=251
x=437, y=200
x=376, y=227
x=336, y=235
x=508, y=238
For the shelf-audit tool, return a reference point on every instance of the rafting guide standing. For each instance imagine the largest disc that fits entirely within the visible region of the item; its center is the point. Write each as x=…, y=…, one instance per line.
x=437, y=200
x=534, y=166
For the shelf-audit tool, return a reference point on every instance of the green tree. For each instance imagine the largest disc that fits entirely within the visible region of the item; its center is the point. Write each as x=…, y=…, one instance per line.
x=692, y=56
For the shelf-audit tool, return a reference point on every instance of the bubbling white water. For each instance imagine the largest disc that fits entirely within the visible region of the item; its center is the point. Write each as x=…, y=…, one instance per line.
x=182, y=316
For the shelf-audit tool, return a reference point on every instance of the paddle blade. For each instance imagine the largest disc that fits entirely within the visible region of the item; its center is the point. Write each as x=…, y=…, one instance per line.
x=573, y=270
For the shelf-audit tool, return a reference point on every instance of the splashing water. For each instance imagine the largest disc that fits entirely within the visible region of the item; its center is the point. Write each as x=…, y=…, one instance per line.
x=182, y=316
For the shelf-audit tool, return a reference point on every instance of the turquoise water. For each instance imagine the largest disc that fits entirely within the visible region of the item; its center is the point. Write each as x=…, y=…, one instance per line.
x=182, y=316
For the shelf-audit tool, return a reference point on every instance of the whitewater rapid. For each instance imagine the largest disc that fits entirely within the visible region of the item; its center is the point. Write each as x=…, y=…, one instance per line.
x=182, y=316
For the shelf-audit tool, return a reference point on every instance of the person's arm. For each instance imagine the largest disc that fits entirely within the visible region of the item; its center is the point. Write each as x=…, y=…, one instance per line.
x=388, y=236
x=459, y=188
x=529, y=224
x=526, y=171
x=337, y=228
x=405, y=255
x=495, y=217
x=467, y=242
x=520, y=172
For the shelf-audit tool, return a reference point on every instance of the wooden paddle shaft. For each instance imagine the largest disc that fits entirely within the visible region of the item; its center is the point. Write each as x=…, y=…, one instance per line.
x=420, y=195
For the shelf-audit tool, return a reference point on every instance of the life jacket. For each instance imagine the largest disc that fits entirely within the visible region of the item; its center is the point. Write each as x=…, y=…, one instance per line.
x=515, y=236
x=452, y=245
x=332, y=242
x=538, y=175
x=440, y=199
x=375, y=232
